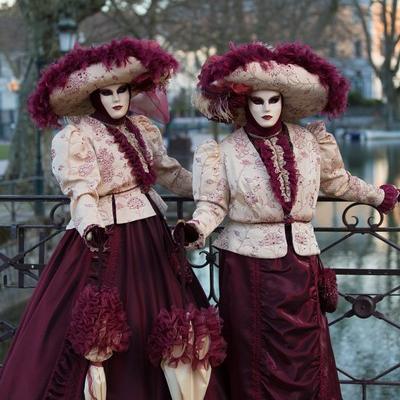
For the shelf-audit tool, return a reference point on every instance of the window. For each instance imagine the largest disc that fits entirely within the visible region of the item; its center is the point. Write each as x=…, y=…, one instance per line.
x=358, y=82
x=332, y=49
x=358, y=49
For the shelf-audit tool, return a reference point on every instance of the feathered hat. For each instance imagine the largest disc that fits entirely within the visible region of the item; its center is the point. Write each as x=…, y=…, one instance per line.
x=307, y=82
x=65, y=86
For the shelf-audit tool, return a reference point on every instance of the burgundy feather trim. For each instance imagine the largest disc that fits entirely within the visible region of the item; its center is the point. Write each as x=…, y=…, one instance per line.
x=290, y=166
x=390, y=199
x=178, y=336
x=145, y=179
x=156, y=61
x=218, y=67
x=98, y=322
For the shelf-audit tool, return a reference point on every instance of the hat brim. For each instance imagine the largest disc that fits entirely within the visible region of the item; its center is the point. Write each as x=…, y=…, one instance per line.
x=65, y=86
x=73, y=99
x=309, y=84
x=302, y=92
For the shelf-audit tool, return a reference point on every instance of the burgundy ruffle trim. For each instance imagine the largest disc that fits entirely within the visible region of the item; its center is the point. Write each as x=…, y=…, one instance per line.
x=66, y=376
x=145, y=179
x=290, y=166
x=390, y=199
x=179, y=335
x=207, y=324
x=98, y=322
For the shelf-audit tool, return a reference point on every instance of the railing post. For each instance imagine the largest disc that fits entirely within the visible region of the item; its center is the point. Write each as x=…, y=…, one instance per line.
x=13, y=216
x=21, y=249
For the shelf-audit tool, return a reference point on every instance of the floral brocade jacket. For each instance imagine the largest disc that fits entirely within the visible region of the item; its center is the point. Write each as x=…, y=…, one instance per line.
x=231, y=179
x=91, y=169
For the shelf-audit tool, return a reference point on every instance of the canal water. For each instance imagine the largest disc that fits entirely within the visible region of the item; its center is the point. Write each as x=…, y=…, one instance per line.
x=364, y=348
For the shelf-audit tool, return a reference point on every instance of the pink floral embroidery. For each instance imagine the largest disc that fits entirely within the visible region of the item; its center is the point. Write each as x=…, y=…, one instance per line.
x=301, y=238
x=271, y=239
x=105, y=159
x=241, y=148
x=135, y=203
x=86, y=169
x=250, y=198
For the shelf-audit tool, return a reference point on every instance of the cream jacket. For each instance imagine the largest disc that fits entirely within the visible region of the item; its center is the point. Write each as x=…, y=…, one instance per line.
x=230, y=179
x=90, y=168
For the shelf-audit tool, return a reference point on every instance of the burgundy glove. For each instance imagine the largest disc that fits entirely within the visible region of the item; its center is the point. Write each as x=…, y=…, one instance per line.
x=95, y=237
x=390, y=200
x=185, y=233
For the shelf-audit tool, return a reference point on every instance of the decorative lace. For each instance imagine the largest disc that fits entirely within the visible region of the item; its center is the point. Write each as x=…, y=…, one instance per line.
x=278, y=157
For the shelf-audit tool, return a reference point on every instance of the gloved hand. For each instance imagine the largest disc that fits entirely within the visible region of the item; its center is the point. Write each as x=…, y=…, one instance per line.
x=390, y=200
x=95, y=237
x=185, y=233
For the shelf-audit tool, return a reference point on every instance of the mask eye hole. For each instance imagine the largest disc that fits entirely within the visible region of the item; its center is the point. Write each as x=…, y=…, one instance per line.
x=257, y=100
x=105, y=92
x=122, y=89
x=274, y=99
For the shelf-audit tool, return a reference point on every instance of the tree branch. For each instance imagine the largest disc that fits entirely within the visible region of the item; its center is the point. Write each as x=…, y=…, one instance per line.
x=367, y=35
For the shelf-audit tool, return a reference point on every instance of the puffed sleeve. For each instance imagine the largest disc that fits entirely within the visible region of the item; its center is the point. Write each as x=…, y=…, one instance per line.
x=336, y=181
x=75, y=167
x=170, y=173
x=210, y=190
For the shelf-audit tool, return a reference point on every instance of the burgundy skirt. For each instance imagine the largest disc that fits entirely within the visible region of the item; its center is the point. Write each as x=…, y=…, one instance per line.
x=278, y=339
x=41, y=364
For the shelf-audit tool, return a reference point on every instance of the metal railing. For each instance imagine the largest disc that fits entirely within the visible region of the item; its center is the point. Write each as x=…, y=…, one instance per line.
x=30, y=255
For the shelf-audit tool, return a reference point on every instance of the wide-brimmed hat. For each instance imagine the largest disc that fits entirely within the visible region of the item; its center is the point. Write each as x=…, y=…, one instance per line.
x=308, y=83
x=65, y=86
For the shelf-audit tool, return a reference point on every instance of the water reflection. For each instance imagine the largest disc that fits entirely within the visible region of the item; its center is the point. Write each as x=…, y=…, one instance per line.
x=364, y=348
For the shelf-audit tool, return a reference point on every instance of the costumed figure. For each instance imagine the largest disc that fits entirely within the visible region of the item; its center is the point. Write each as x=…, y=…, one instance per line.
x=266, y=177
x=86, y=329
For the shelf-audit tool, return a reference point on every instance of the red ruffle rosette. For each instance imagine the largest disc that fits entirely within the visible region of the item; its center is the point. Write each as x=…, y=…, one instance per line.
x=181, y=334
x=208, y=325
x=98, y=321
x=171, y=330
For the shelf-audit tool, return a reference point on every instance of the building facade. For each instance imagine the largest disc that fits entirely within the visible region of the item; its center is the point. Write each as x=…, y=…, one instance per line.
x=8, y=99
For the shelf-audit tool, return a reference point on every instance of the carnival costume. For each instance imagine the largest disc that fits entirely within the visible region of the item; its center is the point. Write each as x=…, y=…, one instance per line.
x=115, y=268
x=274, y=291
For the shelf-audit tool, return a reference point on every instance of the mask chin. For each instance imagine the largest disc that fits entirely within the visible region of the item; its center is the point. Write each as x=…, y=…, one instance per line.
x=117, y=114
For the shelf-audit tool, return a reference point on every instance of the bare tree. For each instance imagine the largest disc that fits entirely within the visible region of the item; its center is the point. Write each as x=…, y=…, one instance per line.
x=40, y=19
x=189, y=25
x=13, y=39
x=387, y=70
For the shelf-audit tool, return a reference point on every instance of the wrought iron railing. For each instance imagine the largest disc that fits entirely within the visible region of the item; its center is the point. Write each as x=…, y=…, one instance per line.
x=29, y=255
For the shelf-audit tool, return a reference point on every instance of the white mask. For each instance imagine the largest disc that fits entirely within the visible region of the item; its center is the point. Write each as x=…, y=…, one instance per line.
x=115, y=99
x=265, y=106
